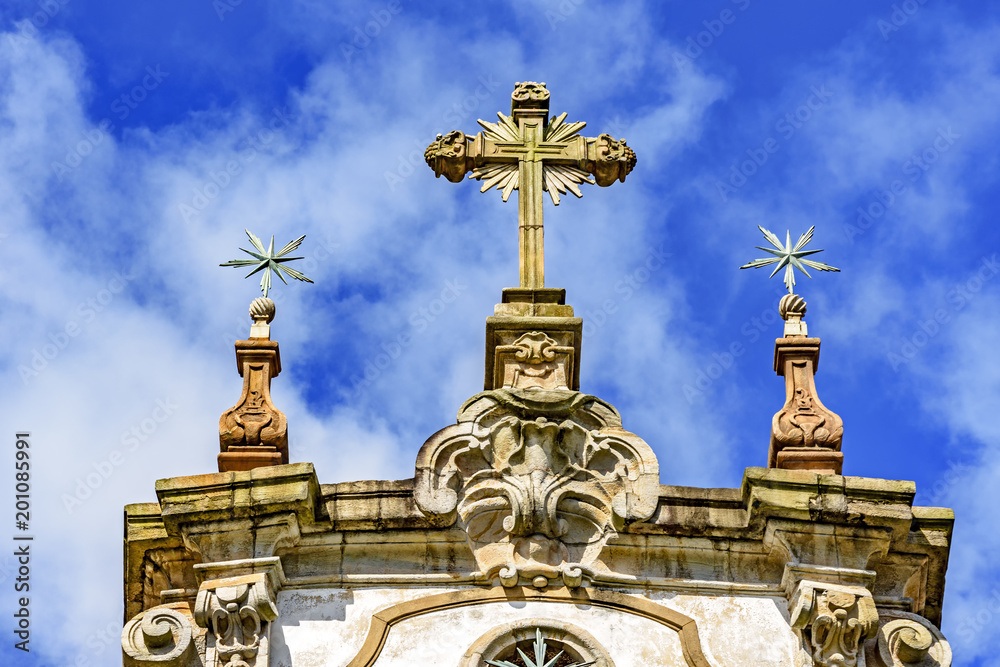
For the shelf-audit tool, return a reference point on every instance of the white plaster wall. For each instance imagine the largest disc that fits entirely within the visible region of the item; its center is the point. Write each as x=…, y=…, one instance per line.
x=327, y=627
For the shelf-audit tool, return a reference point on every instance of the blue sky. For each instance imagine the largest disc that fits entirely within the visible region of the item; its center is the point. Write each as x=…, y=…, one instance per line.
x=874, y=121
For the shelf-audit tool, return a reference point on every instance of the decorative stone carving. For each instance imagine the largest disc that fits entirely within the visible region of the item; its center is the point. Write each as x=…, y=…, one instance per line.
x=535, y=360
x=161, y=636
x=833, y=621
x=539, y=480
x=529, y=95
x=792, y=309
x=907, y=639
x=237, y=612
x=254, y=433
x=448, y=156
x=805, y=434
x=613, y=160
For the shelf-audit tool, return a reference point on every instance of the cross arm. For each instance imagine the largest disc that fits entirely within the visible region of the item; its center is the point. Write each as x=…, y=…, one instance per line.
x=455, y=154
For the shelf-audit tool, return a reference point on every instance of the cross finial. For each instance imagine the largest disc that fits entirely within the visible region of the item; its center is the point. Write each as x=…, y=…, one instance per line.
x=529, y=152
x=788, y=256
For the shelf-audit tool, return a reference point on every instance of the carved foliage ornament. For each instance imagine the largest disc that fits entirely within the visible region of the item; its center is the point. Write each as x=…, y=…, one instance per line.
x=539, y=480
x=237, y=612
x=834, y=621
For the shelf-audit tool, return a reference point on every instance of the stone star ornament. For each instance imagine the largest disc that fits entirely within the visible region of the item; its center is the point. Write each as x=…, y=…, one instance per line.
x=269, y=261
x=789, y=257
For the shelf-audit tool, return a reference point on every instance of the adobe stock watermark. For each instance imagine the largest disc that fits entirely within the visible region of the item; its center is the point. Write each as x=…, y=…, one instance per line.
x=224, y=175
x=913, y=169
x=563, y=9
x=958, y=297
x=28, y=29
x=419, y=321
x=696, y=44
x=318, y=253
x=900, y=16
x=751, y=330
x=406, y=165
x=101, y=471
x=972, y=627
x=362, y=35
x=122, y=106
x=743, y=169
x=83, y=314
x=625, y=288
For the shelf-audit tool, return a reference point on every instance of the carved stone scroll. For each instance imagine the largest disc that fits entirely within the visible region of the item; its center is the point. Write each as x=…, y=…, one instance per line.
x=907, y=639
x=539, y=480
x=833, y=621
x=163, y=636
x=237, y=612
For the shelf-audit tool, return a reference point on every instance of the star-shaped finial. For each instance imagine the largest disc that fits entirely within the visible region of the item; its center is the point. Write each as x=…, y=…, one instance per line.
x=268, y=261
x=788, y=256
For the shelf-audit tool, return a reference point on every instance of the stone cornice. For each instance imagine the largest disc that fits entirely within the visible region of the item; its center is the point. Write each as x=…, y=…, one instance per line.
x=693, y=535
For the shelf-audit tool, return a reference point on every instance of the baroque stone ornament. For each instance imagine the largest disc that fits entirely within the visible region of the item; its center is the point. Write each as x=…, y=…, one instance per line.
x=805, y=434
x=907, y=639
x=253, y=433
x=539, y=480
x=237, y=612
x=833, y=621
x=161, y=636
x=529, y=152
x=534, y=360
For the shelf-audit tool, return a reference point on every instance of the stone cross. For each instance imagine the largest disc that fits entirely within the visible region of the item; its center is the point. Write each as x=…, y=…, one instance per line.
x=529, y=152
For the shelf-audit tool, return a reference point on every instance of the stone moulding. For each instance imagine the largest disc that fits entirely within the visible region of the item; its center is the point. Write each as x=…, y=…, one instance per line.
x=383, y=621
x=539, y=480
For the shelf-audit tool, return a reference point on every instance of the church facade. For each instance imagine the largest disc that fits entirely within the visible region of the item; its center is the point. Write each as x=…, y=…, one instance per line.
x=535, y=531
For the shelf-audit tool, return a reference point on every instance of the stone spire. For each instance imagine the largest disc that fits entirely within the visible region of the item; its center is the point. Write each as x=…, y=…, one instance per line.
x=253, y=433
x=805, y=434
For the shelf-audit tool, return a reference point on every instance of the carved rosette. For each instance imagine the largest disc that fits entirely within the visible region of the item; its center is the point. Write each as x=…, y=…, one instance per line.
x=907, y=639
x=237, y=612
x=833, y=621
x=539, y=480
x=161, y=636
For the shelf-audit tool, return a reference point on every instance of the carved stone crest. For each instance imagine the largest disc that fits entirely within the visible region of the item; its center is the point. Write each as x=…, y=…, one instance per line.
x=539, y=480
x=613, y=160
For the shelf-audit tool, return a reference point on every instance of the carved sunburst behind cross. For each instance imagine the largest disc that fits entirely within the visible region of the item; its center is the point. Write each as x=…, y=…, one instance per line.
x=788, y=257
